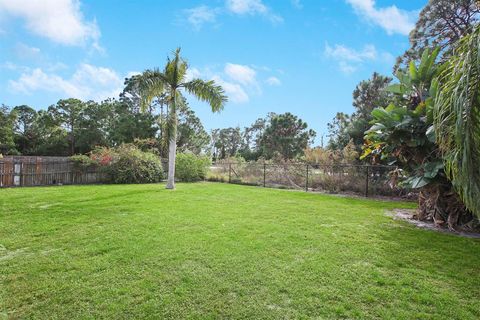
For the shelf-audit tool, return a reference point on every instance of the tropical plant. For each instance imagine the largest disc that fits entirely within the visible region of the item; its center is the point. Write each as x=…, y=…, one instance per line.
x=457, y=119
x=171, y=83
x=402, y=134
x=368, y=95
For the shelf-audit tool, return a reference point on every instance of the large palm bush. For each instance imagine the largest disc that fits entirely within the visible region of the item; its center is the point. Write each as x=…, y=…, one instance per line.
x=403, y=134
x=457, y=119
x=170, y=84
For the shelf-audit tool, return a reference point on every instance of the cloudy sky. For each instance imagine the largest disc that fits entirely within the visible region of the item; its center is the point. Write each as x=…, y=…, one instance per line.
x=302, y=56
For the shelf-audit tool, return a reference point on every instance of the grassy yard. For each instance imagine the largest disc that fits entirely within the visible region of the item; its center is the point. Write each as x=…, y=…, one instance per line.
x=212, y=250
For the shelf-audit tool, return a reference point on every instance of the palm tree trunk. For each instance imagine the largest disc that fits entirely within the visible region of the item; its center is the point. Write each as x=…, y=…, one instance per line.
x=172, y=147
x=172, y=151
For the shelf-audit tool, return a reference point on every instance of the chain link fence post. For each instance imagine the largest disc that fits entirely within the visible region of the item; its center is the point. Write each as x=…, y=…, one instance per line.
x=366, y=181
x=264, y=173
x=306, y=180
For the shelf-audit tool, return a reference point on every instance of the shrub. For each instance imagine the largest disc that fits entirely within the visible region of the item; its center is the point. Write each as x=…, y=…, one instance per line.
x=190, y=167
x=82, y=162
x=128, y=164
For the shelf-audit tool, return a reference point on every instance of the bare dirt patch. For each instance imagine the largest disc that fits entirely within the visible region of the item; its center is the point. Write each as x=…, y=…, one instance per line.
x=408, y=215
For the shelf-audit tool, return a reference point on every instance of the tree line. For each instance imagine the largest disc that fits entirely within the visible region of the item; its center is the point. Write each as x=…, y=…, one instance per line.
x=72, y=126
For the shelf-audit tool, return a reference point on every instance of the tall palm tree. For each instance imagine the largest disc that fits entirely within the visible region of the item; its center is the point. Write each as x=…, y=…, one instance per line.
x=170, y=83
x=457, y=119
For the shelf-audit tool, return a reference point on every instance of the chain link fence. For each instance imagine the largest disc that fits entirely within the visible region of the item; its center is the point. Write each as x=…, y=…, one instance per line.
x=367, y=180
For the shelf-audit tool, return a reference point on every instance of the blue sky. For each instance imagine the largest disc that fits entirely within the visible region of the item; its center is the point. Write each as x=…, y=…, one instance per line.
x=301, y=56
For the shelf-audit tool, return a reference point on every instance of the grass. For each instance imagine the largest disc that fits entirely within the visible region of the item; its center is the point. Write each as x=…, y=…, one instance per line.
x=211, y=250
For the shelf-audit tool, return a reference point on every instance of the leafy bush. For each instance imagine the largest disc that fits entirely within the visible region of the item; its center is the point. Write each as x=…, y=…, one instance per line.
x=128, y=164
x=82, y=162
x=190, y=167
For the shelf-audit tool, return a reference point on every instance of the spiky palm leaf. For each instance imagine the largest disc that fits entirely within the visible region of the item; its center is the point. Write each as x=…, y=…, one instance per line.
x=207, y=91
x=457, y=119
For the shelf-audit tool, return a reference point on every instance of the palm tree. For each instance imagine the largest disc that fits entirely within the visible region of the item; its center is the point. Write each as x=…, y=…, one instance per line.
x=457, y=119
x=170, y=83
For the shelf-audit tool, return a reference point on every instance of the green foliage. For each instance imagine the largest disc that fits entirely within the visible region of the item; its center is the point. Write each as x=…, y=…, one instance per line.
x=26, y=135
x=441, y=24
x=167, y=86
x=400, y=134
x=226, y=142
x=286, y=136
x=128, y=164
x=190, y=167
x=81, y=161
x=191, y=135
x=457, y=119
x=368, y=95
x=7, y=122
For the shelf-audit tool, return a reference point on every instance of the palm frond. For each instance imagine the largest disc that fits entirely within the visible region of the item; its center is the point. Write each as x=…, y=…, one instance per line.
x=176, y=69
x=151, y=84
x=457, y=119
x=207, y=91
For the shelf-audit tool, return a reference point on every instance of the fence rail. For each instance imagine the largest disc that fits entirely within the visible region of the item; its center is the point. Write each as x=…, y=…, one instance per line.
x=367, y=180
x=25, y=171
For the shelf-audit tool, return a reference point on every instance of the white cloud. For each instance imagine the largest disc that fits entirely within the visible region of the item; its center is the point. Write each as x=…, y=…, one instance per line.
x=192, y=73
x=88, y=82
x=202, y=14
x=350, y=59
x=297, y=4
x=24, y=51
x=235, y=92
x=341, y=52
x=198, y=16
x=239, y=81
x=246, y=6
x=61, y=21
x=273, y=81
x=241, y=74
x=252, y=7
x=346, y=68
x=12, y=66
x=392, y=19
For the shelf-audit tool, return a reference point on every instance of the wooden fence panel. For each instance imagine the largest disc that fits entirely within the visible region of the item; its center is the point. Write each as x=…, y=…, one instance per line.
x=23, y=171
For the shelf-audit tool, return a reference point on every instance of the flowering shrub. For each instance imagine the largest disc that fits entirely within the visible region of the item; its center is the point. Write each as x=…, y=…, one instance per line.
x=124, y=164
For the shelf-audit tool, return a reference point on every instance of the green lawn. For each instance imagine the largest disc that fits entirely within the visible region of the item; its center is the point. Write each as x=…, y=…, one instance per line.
x=212, y=250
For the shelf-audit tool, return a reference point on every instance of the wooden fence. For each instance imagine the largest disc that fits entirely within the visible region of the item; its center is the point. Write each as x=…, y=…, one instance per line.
x=23, y=171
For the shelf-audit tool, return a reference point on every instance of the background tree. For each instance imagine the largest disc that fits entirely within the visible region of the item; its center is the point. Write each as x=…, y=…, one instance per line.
x=338, y=131
x=52, y=136
x=126, y=123
x=251, y=136
x=191, y=133
x=26, y=136
x=92, y=127
x=285, y=135
x=7, y=123
x=368, y=95
x=226, y=142
x=68, y=113
x=171, y=82
x=441, y=24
